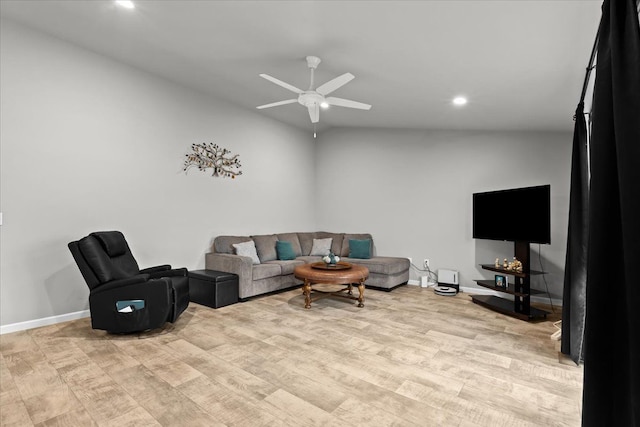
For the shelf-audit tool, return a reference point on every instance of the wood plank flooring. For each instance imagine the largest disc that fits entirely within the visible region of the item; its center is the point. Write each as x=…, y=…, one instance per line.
x=408, y=358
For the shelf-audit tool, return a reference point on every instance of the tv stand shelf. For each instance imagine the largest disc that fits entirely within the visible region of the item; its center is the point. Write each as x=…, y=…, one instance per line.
x=505, y=306
x=490, y=284
x=521, y=290
x=511, y=272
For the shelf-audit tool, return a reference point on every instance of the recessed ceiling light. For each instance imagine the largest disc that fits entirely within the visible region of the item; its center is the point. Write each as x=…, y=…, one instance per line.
x=459, y=100
x=324, y=104
x=127, y=4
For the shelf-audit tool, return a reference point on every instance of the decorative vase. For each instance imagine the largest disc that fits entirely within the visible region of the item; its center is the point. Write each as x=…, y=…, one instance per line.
x=331, y=259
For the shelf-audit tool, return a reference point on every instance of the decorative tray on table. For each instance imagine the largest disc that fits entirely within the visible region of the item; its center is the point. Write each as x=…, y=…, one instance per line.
x=337, y=266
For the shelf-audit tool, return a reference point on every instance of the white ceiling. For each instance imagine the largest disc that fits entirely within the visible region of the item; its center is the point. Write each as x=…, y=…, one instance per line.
x=520, y=63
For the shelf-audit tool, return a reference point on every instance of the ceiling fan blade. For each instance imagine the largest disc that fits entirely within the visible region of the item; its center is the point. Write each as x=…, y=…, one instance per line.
x=275, y=104
x=281, y=83
x=340, y=102
x=334, y=84
x=314, y=113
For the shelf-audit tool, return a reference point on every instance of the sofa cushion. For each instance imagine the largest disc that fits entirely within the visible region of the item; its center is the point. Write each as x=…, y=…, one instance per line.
x=382, y=265
x=336, y=244
x=286, y=267
x=360, y=249
x=247, y=249
x=308, y=259
x=306, y=241
x=344, y=250
x=293, y=239
x=321, y=246
x=224, y=244
x=266, y=247
x=285, y=250
x=264, y=271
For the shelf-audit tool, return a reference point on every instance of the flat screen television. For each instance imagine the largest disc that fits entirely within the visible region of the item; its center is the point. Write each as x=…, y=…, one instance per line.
x=517, y=215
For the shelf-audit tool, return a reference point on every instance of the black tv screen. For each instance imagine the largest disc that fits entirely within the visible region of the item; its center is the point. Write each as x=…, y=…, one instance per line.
x=518, y=215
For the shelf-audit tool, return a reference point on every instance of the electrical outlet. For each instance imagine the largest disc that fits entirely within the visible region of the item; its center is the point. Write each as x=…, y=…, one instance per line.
x=426, y=263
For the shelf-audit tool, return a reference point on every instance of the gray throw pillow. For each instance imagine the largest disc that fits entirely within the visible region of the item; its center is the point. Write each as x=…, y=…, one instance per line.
x=247, y=249
x=321, y=247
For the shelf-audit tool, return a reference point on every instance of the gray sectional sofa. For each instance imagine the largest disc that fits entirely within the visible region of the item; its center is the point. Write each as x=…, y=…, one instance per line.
x=272, y=274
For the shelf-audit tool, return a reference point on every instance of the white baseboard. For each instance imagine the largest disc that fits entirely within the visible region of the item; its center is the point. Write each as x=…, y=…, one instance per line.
x=482, y=291
x=45, y=321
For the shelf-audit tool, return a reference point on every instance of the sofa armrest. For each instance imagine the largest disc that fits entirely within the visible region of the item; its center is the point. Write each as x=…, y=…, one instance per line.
x=229, y=263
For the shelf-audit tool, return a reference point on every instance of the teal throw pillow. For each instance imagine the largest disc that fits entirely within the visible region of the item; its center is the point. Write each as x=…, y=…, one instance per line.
x=360, y=248
x=285, y=250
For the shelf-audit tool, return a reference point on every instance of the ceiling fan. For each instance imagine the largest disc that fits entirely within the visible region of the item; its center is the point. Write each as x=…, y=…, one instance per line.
x=312, y=98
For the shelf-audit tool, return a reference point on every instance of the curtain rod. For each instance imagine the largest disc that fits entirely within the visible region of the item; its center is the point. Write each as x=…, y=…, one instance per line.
x=592, y=58
x=591, y=66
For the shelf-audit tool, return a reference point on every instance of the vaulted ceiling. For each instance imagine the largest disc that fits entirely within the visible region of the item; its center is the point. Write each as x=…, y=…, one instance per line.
x=520, y=63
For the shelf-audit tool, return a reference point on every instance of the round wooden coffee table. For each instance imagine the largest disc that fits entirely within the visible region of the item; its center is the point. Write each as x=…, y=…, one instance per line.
x=343, y=274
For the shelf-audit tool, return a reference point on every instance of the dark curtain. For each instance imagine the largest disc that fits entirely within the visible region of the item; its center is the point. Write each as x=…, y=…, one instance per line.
x=575, y=270
x=611, y=395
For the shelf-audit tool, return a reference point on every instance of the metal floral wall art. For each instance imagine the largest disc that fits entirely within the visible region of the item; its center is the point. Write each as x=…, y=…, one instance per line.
x=206, y=156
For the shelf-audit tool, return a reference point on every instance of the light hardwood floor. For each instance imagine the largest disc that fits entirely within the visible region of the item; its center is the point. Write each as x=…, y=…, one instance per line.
x=409, y=357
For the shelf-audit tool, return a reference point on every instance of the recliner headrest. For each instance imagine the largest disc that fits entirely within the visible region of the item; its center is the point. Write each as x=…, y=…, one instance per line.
x=113, y=242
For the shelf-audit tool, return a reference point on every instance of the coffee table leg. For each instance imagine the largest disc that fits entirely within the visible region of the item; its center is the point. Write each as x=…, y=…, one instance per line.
x=306, y=290
x=361, y=296
x=350, y=289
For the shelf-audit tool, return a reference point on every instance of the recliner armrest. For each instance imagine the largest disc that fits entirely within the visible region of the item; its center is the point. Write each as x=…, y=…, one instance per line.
x=157, y=268
x=181, y=272
x=157, y=305
x=116, y=284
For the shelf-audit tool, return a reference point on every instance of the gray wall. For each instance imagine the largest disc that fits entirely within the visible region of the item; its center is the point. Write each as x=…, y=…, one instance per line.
x=88, y=144
x=412, y=190
x=91, y=144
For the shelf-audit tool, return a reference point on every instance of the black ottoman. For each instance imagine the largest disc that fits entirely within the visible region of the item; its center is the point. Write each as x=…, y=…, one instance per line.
x=213, y=288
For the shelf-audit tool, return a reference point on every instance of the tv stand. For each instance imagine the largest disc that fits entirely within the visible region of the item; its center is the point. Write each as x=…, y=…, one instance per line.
x=521, y=290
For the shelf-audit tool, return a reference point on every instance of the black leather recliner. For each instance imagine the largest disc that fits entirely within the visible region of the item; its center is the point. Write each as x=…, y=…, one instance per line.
x=122, y=297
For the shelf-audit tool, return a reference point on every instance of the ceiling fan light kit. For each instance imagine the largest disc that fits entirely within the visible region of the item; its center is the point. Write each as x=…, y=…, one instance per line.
x=314, y=98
